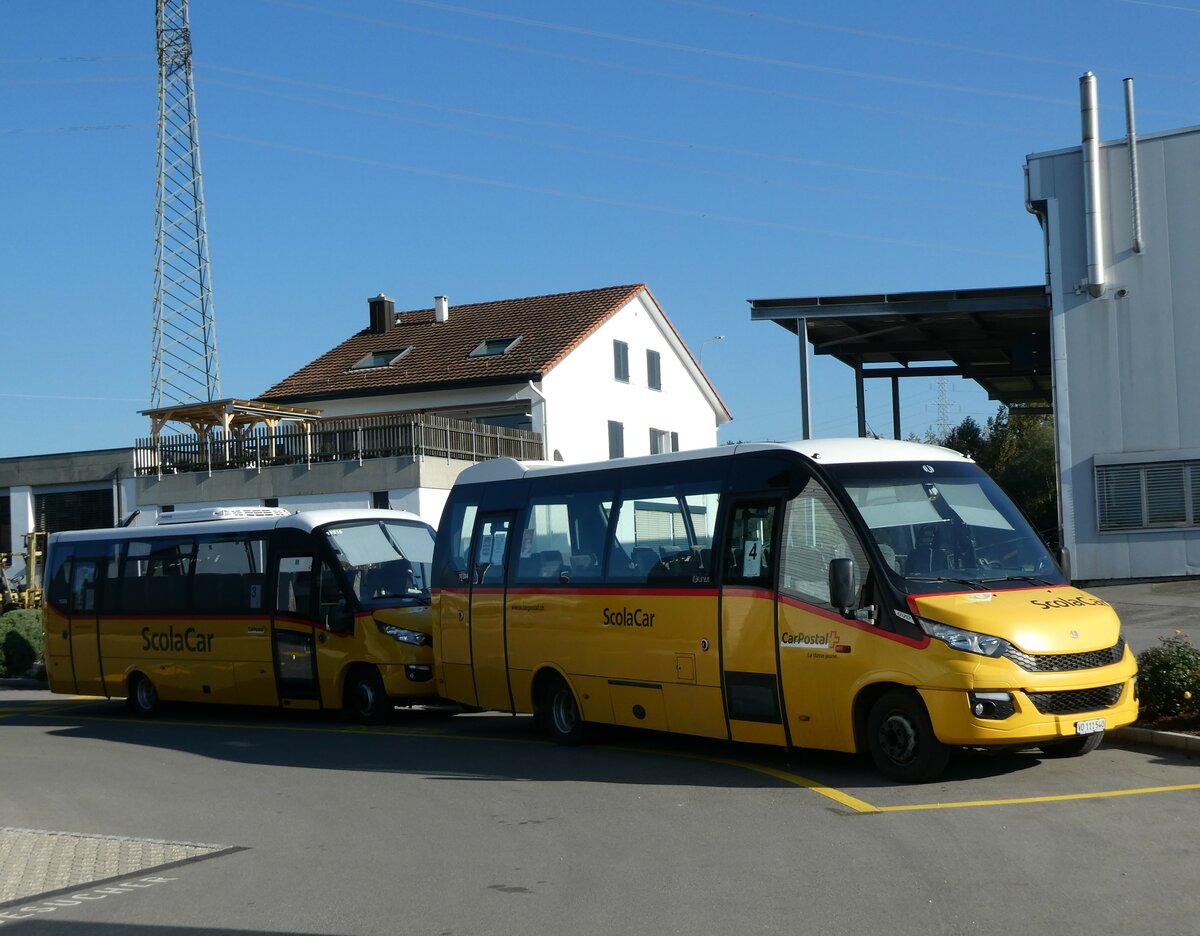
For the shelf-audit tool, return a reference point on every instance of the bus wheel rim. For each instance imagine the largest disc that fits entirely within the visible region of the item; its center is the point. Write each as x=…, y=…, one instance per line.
x=365, y=693
x=898, y=738
x=565, y=716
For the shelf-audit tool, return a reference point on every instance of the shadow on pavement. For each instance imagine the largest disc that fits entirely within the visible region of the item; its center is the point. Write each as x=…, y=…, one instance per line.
x=483, y=746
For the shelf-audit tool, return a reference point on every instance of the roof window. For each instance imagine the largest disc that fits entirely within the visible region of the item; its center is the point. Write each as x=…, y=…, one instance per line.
x=493, y=346
x=381, y=358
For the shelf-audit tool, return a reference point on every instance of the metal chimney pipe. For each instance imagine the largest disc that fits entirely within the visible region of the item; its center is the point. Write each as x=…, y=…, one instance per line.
x=1091, y=185
x=441, y=308
x=1134, y=189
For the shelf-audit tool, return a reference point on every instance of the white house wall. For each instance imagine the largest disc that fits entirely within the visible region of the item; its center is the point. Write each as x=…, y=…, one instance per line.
x=1129, y=389
x=584, y=394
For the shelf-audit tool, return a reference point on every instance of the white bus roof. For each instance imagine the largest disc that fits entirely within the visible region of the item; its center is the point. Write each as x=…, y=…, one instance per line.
x=305, y=520
x=822, y=451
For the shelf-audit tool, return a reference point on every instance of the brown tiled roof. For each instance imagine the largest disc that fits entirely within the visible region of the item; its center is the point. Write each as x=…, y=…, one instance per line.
x=550, y=327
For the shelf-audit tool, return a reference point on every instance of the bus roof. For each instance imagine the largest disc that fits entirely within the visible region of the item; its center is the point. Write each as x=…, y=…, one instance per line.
x=305, y=520
x=821, y=451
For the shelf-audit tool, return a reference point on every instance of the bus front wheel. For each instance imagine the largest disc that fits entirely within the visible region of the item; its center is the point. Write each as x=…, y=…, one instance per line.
x=901, y=740
x=1073, y=747
x=364, y=699
x=560, y=713
x=142, y=699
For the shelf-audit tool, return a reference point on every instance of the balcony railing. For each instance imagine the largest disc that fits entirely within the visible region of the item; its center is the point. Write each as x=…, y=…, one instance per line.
x=335, y=440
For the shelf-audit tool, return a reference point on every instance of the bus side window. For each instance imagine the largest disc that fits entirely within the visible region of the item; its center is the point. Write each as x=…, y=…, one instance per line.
x=294, y=586
x=816, y=532
x=563, y=538
x=454, y=546
x=336, y=613
x=752, y=531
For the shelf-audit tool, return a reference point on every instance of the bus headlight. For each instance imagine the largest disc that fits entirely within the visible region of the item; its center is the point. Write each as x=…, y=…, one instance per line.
x=404, y=635
x=964, y=640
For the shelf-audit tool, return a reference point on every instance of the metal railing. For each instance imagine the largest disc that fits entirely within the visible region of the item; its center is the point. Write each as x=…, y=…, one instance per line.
x=335, y=440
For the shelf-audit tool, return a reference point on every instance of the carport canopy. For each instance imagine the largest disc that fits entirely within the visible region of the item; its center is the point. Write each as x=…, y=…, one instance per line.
x=999, y=337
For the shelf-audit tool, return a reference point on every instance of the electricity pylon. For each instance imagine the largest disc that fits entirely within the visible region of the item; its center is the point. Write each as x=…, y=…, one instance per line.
x=184, y=366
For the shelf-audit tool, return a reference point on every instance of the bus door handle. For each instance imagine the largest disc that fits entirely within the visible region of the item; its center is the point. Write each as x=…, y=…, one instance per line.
x=256, y=631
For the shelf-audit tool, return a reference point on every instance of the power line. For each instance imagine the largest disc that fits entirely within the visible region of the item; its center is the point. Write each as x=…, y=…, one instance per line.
x=615, y=202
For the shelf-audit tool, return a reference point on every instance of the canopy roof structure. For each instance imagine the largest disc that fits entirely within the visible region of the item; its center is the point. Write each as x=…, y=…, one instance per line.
x=1000, y=338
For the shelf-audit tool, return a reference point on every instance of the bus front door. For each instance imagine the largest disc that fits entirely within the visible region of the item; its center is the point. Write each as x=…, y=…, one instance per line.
x=292, y=632
x=749, y=645
x=489, y=647
x=85, y=627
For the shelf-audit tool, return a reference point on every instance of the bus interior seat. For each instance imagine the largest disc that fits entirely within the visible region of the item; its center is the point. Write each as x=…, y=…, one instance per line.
x=644, y=559
x=551, y=564
x=924, y=559
x=584, y=565
x=889, y=556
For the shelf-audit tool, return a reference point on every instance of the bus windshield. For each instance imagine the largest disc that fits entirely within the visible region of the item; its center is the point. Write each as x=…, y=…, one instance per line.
x=386, y=562
x=943, y=526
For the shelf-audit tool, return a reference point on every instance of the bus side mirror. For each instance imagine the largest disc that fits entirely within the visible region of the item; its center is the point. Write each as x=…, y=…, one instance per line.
x=339, y=619
x=841, y=584
x=1062, y=556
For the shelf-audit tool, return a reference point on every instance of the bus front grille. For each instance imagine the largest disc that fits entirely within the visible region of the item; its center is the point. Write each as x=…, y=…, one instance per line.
x=1066, y=662
x=1076, y=700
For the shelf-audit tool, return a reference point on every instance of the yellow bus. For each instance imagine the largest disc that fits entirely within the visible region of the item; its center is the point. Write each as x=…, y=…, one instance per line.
x=322, y=609
x=853, y=595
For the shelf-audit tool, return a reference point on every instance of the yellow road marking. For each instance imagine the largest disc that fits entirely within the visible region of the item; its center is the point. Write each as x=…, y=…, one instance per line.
x=1026, y=800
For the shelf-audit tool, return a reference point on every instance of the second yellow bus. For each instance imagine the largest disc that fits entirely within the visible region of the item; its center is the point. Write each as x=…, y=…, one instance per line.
x=852, y=595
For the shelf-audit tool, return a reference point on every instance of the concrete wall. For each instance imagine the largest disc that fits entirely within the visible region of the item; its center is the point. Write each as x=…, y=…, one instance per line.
x=1126, y=380
x=420, y=486
x=23, y=478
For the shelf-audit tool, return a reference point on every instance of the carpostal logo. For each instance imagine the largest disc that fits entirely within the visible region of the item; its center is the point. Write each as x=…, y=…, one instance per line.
x=1082, y=601
x=809, y=641
x=189, y=641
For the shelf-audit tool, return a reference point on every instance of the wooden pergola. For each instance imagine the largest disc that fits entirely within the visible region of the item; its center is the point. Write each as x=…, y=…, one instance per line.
x=232, y=417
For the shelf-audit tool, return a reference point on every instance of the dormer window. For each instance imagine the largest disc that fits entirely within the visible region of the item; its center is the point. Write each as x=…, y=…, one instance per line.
x=493, y=346
x=381, y=358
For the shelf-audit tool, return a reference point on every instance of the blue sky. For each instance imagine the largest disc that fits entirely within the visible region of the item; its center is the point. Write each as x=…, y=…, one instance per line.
x=486, y=149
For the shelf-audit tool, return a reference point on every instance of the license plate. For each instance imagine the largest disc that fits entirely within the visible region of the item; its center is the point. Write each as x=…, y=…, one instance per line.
x=1091, y=726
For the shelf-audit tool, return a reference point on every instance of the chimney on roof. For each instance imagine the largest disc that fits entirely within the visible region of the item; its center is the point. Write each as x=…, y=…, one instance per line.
x=441, y=308
x=383, y=314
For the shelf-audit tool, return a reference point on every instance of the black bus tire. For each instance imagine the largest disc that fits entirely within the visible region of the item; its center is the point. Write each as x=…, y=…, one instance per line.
x=1072, y=747
x=560, y=713
x=142, y=699
x=364, y=699
x=901, y=740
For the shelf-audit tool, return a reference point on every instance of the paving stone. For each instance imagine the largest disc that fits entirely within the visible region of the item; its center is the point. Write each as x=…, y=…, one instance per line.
x=34, y=862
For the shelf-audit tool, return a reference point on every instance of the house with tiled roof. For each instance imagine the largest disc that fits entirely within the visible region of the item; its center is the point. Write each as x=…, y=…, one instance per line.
x=390, y=415
x=597, y=374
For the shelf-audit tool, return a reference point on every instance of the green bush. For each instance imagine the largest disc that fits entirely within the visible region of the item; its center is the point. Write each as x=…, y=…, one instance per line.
x=1169, y=678
x=20, y=642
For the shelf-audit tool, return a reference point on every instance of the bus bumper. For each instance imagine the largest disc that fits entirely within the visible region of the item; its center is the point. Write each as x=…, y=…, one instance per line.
x=408, y=680
x=955, y=723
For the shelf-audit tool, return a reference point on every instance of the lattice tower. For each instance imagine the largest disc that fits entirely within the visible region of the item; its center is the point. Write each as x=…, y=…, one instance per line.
x=184, y=367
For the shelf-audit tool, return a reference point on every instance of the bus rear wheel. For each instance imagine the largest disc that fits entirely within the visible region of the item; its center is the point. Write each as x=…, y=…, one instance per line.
x=142, y=699
x=901, y=740
x=560, y=713
x=364, y=699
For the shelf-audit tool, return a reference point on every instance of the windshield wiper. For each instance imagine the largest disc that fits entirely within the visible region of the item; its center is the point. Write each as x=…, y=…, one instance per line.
x=944, y=578
x=1019, y=578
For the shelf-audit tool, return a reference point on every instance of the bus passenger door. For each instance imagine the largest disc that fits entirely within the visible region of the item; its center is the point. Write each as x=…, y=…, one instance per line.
x=85, y=626
x=489, y=646
x=749, y=654
x=292, y=639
